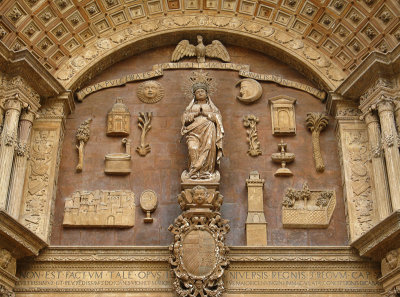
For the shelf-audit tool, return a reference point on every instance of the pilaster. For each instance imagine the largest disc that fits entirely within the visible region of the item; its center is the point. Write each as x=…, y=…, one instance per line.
x=42, y=170
x=357, y=174
x=8, y=142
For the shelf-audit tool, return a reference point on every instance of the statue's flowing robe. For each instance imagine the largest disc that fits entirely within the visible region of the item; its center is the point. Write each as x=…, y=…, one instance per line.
x=204, y=139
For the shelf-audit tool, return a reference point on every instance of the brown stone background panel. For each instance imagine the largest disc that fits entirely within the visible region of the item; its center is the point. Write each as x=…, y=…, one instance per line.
x=161, y=169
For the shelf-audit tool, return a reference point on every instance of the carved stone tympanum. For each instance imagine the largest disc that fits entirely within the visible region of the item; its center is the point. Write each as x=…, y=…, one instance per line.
x=307, y=208
x=316, y=122
x=118, y=119
x=82, y=136
x=283, y=115
x=100, y=209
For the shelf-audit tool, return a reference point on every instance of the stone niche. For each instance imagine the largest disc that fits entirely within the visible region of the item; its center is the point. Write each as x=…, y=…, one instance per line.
x=283, y=115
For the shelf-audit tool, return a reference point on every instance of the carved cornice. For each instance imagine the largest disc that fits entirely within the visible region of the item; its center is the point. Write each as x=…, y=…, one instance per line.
x=161, y=254
x=294, y=254
x=284, y=45
x=104, y=254
x=376, y=64
x=18, y=238
x=24, y=64
x=380, y=239
x=8, y=278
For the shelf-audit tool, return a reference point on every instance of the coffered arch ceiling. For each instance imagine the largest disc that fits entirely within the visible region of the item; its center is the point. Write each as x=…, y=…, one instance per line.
x=79, y=38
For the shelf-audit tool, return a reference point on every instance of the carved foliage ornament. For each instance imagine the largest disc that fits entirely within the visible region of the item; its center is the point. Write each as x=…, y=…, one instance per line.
x=82, y=136
x=316, y=122
x=250, y=122
x=4, y=292
x=199, y=255
x=144, y=121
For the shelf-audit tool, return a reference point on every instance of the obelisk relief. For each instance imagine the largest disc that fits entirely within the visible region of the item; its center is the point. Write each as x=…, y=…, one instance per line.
x=198, y=254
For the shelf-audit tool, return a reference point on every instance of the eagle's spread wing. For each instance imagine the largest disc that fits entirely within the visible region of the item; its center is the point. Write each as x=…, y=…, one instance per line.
x=183, y=49
x=217, y=50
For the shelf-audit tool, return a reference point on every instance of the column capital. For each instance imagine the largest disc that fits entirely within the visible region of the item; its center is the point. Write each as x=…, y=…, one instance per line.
x=28, y=115
x=385, y=103
x=370, y=117
x=13, y=102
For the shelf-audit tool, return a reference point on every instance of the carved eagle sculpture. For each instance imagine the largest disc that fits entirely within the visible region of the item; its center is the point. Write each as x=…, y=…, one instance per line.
x=213, y=50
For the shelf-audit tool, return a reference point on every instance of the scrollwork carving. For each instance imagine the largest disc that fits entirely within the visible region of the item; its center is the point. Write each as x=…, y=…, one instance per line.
x=199, y=255
x=41, y=155
x=4, y=292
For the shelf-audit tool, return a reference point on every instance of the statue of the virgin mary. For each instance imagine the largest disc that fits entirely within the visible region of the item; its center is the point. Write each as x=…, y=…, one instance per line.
x=202, y=126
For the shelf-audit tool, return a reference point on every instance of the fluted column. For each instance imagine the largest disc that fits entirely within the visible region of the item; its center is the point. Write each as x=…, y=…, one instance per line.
x=12, y=107
x=397, y=116
x=378, y=166
x=389, y=140
x=1, y=118
x=20, y=162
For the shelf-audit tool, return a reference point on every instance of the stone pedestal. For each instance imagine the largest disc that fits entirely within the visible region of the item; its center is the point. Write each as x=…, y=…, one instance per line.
x=198, y=253
x=256, y=226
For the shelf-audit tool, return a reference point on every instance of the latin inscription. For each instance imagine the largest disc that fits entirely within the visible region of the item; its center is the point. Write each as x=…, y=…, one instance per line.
x=301, y=279
x=244, y=70
x=108, y=280
x=90, y=279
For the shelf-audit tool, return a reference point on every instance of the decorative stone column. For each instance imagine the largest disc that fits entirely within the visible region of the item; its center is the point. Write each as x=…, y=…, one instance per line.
x=397, y=117
x=20, y=161
x=378, y=165
x=12, y=107
x=389, y=140
x=1, y=117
